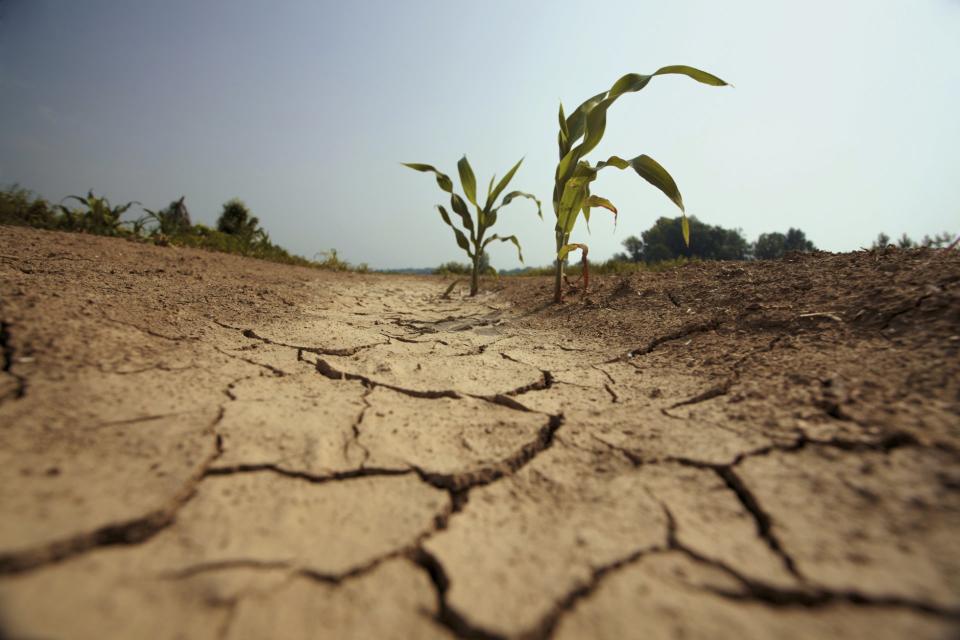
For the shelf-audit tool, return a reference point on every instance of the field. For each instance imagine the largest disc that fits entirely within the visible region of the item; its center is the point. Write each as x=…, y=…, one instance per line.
x=200, y=445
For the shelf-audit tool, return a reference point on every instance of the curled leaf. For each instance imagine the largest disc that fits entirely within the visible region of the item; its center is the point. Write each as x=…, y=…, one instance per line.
x=507, y=199
x=442, y=179
x=512, y=239
x=567, y=248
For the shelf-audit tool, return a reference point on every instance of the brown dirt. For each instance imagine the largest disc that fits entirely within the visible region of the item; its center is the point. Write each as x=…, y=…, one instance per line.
x=195, y=445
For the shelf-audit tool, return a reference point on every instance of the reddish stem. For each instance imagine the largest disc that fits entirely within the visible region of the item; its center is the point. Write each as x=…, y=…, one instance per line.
x=586, y=272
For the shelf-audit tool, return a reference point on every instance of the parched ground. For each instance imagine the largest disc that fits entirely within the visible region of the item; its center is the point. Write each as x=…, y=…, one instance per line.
x=194, y=445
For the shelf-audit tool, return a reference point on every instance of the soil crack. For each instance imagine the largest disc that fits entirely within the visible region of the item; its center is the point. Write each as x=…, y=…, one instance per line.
x=250, y=333
x=8, y=354
x=682, y=332
x=364, y=472
x=134, y=531
x=460, y=482
x=446, y=615
x=760, y=516
x=504, y=399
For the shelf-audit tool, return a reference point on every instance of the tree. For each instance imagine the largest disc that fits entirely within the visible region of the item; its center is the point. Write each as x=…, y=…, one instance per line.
x=881, y=241
x=664, y=241
x=796, y=240
x=634, y=247
x=770, y=246
x=938, y=241
x=460, y=269
x=236, y=220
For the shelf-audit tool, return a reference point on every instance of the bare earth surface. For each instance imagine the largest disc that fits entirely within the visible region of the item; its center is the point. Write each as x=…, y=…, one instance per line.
x=195, y=445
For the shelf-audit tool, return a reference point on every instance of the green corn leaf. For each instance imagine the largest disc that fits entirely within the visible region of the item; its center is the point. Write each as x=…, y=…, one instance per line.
x=632, y=82
x=571, y=202
x=442, y=179
x=510, y=197
x=651, y=171
x=461, y=239
x=693, y=72
x=613, y=161
x=685, y=228
x=123, y=208
x=577, y=121
x=595, y=127
x=629, y=83
x=490, y=190
x=563, y=137
x=503, y=184
x=566, y=165
x=468, y=180
x=590, y=119
x=460, y=208
x=512, y=239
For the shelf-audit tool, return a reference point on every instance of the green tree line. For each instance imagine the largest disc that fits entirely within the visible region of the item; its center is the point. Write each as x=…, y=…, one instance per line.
x=664, y=241
x=237, y=230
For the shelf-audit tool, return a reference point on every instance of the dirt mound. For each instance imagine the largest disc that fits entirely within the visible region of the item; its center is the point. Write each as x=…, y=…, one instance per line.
x=197, y=445
x=872, y=336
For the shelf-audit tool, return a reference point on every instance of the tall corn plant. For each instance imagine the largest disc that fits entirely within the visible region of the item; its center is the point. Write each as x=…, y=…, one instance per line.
x=477, y=242
x=100, y=216
x=571, y=191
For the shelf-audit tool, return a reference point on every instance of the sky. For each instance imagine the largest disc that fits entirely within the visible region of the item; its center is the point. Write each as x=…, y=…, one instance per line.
x=844, y=119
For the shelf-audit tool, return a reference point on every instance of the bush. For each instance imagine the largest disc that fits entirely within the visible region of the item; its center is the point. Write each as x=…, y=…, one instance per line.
x=454, y=268
x=19, y=206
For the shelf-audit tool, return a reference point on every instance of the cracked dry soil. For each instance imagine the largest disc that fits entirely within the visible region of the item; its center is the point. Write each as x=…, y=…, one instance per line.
x=196, y=445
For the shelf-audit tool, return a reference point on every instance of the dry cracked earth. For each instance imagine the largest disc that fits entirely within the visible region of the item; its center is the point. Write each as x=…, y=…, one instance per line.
x=195, y=445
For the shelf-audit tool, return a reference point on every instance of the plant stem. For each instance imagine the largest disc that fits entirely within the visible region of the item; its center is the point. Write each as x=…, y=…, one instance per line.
x=586, y=272
x=474, y=277
x=558, y=276
x=557, y=290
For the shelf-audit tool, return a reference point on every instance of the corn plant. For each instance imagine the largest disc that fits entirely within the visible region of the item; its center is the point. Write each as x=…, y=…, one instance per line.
x=571, y=192
x=171, y=221
x=477, y=242
x=100, y=216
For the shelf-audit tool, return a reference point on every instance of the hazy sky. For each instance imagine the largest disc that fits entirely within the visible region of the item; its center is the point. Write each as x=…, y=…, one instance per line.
x=845, y=119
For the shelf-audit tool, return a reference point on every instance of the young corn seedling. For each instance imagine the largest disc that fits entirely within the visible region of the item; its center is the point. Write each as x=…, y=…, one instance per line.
x=571, y=191
x=477, y=242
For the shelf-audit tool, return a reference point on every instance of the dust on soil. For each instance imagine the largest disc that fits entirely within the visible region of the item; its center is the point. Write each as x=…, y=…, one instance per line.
x=194, y=445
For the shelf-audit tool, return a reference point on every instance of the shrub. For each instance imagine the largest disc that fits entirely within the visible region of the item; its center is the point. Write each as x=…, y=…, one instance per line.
x=19, y=206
